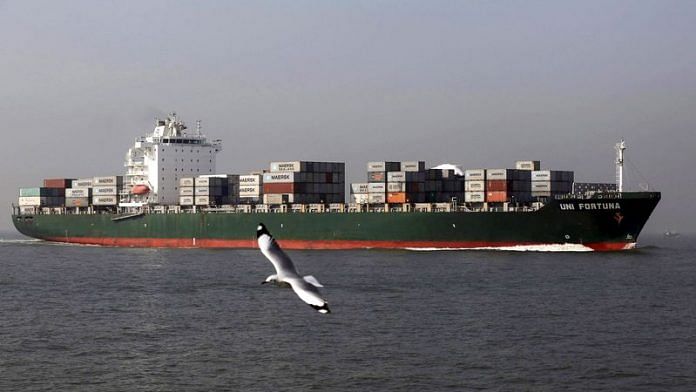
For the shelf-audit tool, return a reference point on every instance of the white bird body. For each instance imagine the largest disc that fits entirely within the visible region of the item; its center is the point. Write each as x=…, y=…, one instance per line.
x=305, y=287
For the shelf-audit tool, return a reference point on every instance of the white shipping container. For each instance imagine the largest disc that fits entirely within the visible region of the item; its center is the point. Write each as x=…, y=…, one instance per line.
x=278, y=198
x=376, y=187
x=528, y=165
x=398, y=176
x=359, y=198
x=82, y=183
x=541, y=175
x=361, y=187
x=396, y=187
x=541, y=186
x=78, y=192
x=186, y=191
x=187, y=182
x=109, y=180
x=279, y=177
x=202, y=181
x=104, y=190
x=474, y=197
x=77, y=201
x=475, y=174
x=251, y=179
x=376, y=198
x=293, y=166
x=413, y=166
x=25, y=210
x=110, y=200
x=202, y=200
x=186, y=200
x=32, y=201
x=475, y=186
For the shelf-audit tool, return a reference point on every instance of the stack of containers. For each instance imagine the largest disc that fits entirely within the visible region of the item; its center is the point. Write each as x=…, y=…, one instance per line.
x=250, y=189
x=41, y=197
x=408, y=184
x=377, y=180
x=210, y=190
x=105, y=190
x=187, y=186
x=80, y=193
x=359, y=193
x=475, y=186
x=547, y=183
x=508, y=185
x=304, y=182
x=442, y=186
x=232, y=189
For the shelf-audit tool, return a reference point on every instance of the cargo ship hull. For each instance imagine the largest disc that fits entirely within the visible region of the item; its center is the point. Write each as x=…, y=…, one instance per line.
x=606, y=222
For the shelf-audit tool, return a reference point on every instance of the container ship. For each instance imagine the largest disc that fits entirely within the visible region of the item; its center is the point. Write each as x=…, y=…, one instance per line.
x=171, y=195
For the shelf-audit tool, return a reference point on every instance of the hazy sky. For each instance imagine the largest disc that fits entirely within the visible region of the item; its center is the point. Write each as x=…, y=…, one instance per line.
x=481, y=84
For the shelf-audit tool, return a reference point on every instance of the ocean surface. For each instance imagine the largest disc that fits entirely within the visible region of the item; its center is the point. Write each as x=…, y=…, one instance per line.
x=79, y=318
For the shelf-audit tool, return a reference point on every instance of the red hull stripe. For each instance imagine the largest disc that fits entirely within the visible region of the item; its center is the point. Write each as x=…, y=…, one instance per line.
x=310, y=244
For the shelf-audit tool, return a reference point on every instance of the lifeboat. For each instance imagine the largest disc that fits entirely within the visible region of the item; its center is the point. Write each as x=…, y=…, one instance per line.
x=140, y=189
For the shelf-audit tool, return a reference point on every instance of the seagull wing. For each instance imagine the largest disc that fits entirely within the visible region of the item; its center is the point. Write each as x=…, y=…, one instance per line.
x=269, y=247
x=309, y=294
x=312, y=280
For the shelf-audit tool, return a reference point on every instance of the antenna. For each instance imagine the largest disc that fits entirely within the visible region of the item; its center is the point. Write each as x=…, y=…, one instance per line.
x=620, y=148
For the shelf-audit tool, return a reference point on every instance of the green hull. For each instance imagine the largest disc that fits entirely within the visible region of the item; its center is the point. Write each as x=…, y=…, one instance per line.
x=612, y=222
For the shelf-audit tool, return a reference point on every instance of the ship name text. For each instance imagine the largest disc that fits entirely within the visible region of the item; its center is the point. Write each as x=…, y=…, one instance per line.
x=589, y=206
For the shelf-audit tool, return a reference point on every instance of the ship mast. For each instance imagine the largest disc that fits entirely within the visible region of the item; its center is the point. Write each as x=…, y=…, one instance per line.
x=620, y=148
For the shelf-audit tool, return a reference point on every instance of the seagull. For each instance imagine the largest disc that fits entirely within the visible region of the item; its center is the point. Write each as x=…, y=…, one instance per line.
x=286, y=274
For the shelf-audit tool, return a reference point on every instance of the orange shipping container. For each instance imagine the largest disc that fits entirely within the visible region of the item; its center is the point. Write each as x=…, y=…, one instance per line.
x=279, y=187
x=496, y=196
x=498, y=185
x=396, y=197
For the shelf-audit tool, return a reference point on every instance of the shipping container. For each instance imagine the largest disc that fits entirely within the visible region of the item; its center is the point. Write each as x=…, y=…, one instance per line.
x=78, y=192
x=528, y=165
x=377, y=187
x=359, y=198
x=186, y=191
x=497, y=196
x=438, y=174
x=475, y=174
x=107, y=181
x=377, y=198
x=474, y=197
x=277, y=198
x=396, y=187
x=186, y=200
x=415, y=187
x=58, y=183
x=359, y=187
x=77, y=201
x=279, y=188
x=187, y=182
x=282, y=177
x=250, y=179
x=104, y=190
x=215, y=191
x=104, y=200
x=396, y=197
x=377, y=176
x=294, y=166
x=413, y=166
x=82, y=183
x=383, y=166
x=209, y=181
x=474, y=186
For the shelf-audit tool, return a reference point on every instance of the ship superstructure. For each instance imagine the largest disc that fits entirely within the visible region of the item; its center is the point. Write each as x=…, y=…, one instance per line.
x=159, y=159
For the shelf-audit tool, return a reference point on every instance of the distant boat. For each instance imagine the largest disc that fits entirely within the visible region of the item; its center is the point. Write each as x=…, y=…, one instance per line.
x=671, y=233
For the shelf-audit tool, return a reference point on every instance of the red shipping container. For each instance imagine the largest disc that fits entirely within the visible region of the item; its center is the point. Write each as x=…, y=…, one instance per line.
x=497, y=196
x=279, y=187
x=58, y=182
x=396, y=197
x=498, y=185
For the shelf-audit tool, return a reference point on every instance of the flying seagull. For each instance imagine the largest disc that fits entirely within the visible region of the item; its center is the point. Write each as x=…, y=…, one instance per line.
x=305, y=287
